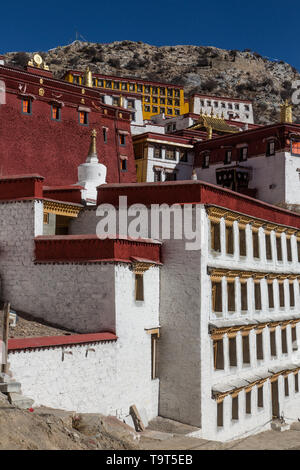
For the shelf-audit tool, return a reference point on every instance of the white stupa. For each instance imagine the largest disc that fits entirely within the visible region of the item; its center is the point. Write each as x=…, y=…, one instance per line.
x=91, y=173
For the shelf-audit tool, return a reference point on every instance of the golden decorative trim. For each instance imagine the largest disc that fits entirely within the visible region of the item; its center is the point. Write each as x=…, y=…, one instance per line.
x=291, y=231
x=234, y=392
x=231, y=331
x=153, y=331
x=216, y=213
x=141, y=267
x=60, y=208
x=216, y=274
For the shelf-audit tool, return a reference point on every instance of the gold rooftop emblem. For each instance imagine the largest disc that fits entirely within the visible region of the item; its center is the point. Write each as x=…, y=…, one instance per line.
x=38, y=62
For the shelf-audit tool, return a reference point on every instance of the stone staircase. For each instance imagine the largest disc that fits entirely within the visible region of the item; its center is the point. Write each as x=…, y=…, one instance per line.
x=12, y=389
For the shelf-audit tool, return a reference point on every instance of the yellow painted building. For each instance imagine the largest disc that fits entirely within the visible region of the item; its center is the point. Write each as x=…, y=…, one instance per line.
x=157, y=97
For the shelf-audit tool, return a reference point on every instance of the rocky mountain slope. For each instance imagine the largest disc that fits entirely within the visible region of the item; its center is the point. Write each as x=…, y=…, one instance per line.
x=199, y=69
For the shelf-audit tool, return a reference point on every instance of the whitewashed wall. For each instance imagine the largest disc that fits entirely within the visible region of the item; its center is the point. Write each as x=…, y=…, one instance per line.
x=260, y=418
x=243, y=115
x=74, y=296
x=183, y=169
x=102, y=377
x=268, y=177
x=87, y=298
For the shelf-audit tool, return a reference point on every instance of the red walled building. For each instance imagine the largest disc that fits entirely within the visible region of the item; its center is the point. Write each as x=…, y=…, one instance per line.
x=46, y=123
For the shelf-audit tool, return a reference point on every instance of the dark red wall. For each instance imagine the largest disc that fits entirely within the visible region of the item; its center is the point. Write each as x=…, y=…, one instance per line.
x=255, y=138
x=67, y=194
x=20, y=187
x=36, y=144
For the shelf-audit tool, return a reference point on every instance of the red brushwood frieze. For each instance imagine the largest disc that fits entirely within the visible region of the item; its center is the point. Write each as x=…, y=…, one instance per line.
x=17, y=344
x=197, y=192
x=89, y=248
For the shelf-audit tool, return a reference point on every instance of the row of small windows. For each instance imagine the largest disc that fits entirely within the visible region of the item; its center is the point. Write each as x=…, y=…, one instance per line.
x=55, y=112
x=82, y=118
x=167, y=153
x=134, y=87
x=155, y=100
x=117, y=102
x=223, y=105
x=217, y=295
x=235, y=409
x=218, y=347
x=161, y=110
x=229, y=242
x=170, y=153
x=242, y=154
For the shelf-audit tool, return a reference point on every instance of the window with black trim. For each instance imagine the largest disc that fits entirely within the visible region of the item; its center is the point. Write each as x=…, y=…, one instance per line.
x=243, y=154
x=183, y=155
x=55, y=112
x=295, y=147
x=124, y=164
x=26, y=106
x=104, y=130
x=157, y=152
x=170, y=153
x=205, y=160
x=270, y=148
x=122, y=139
x=228, y=157
x=157, y=175
x=83, y=118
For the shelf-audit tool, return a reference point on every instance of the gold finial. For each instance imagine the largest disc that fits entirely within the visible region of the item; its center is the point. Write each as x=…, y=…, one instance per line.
x=87, y=78
x=209, y=132
x=286, y=114
x=121, y=102
x=93, y=147
x=222, y=115
x=212, y=112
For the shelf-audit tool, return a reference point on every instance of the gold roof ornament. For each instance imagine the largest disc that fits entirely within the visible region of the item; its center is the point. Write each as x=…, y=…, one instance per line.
x=87, y=78
x=217, y=124
x=92, y=155
x=37, y=61
x=286, y=114
x=209, y=132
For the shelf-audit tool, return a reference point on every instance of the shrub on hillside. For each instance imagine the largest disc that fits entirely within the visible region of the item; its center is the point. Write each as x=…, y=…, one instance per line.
x=114, y=62
x=209, y=85
x=21, y=59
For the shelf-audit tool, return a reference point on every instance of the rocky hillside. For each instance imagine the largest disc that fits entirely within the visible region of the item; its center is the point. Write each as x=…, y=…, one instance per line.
x=199, y=69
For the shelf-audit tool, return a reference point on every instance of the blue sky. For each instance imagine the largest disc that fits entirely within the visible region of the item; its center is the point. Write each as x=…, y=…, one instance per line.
x=268, y=27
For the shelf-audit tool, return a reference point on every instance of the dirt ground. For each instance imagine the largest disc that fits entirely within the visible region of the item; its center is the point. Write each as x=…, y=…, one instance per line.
x=45, y=428
x=50, y=429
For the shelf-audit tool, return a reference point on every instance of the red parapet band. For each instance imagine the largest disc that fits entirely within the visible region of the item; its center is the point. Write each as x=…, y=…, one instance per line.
x=16, y=344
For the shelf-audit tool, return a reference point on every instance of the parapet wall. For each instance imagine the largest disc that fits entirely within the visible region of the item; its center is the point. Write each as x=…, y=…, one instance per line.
x=87, y=377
